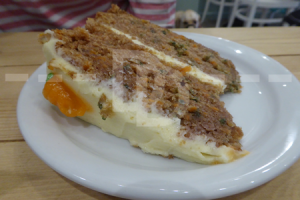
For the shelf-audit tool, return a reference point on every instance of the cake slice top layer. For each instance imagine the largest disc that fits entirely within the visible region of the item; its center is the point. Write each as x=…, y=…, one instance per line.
x=177, y=46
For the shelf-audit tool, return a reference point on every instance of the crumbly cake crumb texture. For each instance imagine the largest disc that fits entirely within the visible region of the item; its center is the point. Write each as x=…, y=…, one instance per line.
x=167, y=89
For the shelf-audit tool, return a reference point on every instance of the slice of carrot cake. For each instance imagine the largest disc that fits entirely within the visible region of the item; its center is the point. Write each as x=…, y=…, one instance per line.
x=140, y=93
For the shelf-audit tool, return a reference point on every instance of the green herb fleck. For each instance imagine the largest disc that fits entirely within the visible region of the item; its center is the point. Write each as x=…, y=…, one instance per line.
x=49, y=76
x=192, y=92
x=222, y=121
x=164, y=32
x=197, y=113
x=127, y=86
x=100, y=105
x=127, y=67
x=152, y=30
x=181, y=101
x=174, y=90
x=162, y=71
x=104, y=118
x=233, y=86
x=206, y=58
x=172, y=43
x=180, y=48
x=155, y=40
x=187, y=80
x=194, y=98
x=112, y=74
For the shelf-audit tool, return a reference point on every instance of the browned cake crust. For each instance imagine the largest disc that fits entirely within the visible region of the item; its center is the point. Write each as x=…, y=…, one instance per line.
x=174, y=93
x=172, y=44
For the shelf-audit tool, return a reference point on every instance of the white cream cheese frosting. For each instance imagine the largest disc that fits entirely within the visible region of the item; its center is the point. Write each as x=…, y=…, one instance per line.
x=152, y=132
x=204, y=77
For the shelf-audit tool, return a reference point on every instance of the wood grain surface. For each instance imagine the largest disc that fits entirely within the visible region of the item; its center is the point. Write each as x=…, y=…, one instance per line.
x=24, y=176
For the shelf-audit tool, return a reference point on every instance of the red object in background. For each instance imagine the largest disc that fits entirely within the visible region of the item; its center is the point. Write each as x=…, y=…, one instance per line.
x=30, y=15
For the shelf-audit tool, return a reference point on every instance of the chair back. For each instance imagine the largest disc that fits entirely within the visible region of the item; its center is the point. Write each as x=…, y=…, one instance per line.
x=272, y=3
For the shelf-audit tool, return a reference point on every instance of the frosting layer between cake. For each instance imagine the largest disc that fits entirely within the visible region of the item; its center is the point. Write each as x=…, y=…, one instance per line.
x=152, y=132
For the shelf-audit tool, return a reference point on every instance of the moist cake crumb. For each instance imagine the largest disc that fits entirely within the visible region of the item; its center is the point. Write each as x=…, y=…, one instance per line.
x=167, y=89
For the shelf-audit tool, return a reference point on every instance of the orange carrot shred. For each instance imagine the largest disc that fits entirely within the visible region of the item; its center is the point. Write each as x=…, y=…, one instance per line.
x=192, y=109
x=215, y=109
x=185, y=70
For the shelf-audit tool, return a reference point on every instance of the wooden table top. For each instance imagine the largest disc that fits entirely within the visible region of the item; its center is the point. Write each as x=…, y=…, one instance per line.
x=24, y=176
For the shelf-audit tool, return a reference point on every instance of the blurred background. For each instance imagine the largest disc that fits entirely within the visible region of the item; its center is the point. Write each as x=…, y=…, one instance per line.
x=38, y=15
x=268, y=9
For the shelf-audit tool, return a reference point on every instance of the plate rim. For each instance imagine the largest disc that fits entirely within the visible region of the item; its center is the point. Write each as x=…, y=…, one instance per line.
x=29, y=141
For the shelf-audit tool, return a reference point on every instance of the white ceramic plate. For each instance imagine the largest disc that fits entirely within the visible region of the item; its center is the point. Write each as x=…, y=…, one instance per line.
x=268, y=111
